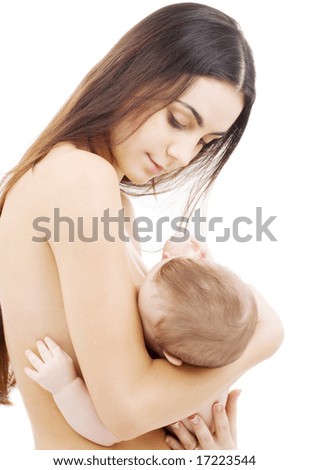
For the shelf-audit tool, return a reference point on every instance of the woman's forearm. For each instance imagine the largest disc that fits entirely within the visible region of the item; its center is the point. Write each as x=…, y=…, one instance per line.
x=168, y=393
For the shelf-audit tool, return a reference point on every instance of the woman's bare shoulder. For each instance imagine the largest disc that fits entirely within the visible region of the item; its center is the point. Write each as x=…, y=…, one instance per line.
x=67, y=168
x=66, y=162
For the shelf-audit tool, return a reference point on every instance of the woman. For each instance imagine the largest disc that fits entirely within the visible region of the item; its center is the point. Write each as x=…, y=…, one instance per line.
x=171, y=100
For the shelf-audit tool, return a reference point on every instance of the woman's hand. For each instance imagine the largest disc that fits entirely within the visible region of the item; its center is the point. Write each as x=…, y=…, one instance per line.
x=225, y=433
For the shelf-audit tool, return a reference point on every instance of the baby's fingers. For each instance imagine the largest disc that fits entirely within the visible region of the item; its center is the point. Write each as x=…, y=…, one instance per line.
x=44, y=351
x=34, y=360
x=53, y=347
x=32, y=374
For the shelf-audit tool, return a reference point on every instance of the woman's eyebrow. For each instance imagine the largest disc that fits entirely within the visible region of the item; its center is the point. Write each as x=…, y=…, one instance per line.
x=198, y=117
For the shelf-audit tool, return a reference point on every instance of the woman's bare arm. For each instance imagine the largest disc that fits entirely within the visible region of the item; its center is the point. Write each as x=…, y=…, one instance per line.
x=132, y=393
x=54, y=370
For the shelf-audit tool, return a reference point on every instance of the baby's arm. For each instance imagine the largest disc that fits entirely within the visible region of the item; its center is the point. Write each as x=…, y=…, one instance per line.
x=56, y=373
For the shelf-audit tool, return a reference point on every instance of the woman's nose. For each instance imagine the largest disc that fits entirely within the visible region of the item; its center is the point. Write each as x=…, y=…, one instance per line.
x=182, y=152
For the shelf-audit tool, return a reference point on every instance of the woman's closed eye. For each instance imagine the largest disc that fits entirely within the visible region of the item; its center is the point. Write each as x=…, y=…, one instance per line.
x=177, y=125
x=174, y=122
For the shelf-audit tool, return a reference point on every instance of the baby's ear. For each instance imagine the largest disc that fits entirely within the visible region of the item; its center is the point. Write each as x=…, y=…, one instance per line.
x=172, y=359
x=166, y=255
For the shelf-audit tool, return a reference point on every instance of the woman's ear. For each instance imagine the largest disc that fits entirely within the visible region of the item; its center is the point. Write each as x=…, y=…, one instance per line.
x=172, y=359
x=166, y=255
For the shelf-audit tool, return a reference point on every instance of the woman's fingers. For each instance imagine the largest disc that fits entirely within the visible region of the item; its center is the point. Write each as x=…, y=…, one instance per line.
x=173, y=443
x=231, y=411
x=201, y=437
x=222, y=427
x=202, y=432
x=187, y=440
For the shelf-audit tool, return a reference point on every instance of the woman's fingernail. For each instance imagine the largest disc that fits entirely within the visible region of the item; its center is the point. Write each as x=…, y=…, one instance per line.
x=219, y=407
x=194, y=419
x=176, y=425
x=167, y=441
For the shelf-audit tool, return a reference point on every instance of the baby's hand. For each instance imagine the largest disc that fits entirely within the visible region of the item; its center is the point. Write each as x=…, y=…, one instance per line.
x=190, y=248
x=56, y=368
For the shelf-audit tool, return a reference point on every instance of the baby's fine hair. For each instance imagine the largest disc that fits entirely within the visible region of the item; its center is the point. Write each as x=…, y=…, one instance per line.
x=210, y=314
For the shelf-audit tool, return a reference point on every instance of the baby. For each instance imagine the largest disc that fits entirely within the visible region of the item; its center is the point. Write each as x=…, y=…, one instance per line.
x=193, y=311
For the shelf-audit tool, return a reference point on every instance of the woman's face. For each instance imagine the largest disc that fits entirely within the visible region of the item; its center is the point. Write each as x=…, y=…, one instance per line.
x=173, y=136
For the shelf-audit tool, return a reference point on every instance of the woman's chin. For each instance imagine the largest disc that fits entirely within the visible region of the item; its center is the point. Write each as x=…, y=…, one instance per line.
x=140, y=180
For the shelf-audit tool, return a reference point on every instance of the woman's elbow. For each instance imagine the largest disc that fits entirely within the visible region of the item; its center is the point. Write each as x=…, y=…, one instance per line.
x=126, y=422
x=277, y=335
x=270, y=327
x=273, y=336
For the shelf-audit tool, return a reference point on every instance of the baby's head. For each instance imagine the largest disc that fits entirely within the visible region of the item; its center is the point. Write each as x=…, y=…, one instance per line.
x=196, y=311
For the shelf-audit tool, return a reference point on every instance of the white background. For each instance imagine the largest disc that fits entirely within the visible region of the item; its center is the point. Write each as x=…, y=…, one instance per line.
x=47, y=48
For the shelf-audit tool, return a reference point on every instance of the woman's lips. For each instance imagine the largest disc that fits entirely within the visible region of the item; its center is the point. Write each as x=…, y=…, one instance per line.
x=155, y=167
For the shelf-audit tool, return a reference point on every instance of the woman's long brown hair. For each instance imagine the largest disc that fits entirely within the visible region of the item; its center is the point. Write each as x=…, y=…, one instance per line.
x=150, y=67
